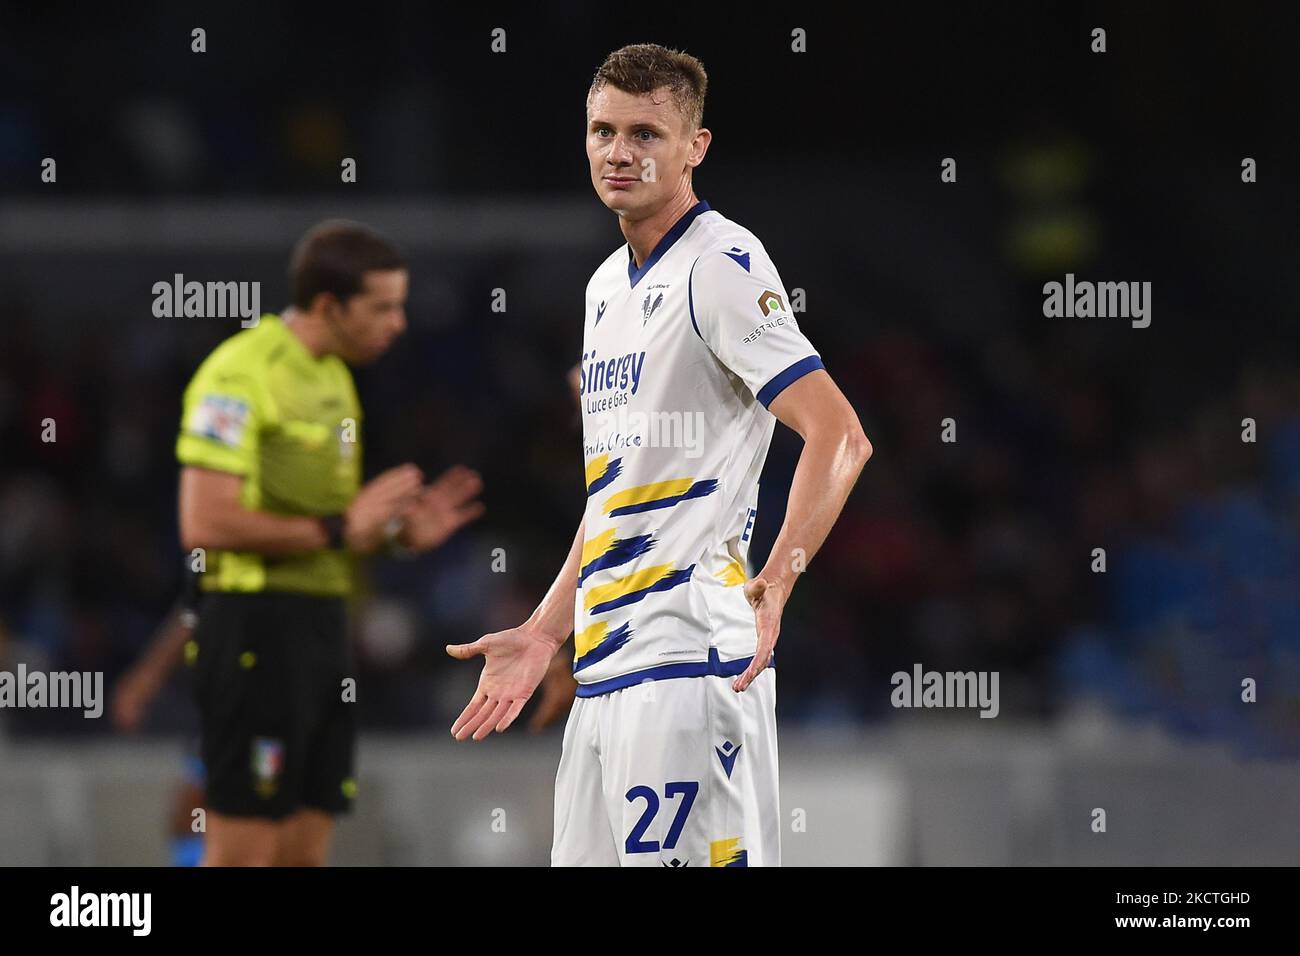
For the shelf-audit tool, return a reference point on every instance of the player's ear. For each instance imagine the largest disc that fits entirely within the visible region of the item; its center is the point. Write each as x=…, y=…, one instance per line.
x=333, y=308
x=320, y=303
x=699, y=146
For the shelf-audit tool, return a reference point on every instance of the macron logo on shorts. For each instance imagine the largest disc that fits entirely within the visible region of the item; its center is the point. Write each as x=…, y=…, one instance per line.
x=727, y=753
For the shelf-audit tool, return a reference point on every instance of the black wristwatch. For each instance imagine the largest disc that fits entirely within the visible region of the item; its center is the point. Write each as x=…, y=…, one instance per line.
x=334, y=528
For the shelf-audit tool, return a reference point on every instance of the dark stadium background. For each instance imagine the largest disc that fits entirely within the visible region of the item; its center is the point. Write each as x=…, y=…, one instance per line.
x=924, y=298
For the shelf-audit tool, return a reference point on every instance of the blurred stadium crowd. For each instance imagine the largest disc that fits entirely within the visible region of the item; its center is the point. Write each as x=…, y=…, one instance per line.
x=971, y=555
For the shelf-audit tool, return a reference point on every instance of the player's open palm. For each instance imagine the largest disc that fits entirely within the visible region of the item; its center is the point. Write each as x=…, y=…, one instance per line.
x=514, y=663
x=767, y=598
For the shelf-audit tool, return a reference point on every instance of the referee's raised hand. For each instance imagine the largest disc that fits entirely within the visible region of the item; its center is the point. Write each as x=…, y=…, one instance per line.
x=441, y=509
x=380, y=500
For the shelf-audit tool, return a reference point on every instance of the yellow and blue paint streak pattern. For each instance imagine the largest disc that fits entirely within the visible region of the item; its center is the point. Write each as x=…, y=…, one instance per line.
x=634, y=587
x=733, y=575
x=607, y=551
x=727, y=853
x=661, y=494
x=601, y=472
x=597, y=642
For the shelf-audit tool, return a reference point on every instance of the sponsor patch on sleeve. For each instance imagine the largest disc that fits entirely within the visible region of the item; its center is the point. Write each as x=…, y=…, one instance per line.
x=221, y=418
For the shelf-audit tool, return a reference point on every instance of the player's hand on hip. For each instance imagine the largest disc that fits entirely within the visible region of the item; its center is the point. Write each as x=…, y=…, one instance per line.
x=514, y=663
x=378, y=502
x=442, y=509
x=767, y=598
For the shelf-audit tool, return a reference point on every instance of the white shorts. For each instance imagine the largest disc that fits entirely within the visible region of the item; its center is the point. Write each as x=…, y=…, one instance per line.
x=678, y=772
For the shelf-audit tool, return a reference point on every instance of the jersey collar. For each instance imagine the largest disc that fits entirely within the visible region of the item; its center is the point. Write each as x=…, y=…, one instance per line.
x=671, y=236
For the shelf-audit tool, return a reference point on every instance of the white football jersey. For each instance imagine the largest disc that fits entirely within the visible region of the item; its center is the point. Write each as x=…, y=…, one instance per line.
x=680, y=360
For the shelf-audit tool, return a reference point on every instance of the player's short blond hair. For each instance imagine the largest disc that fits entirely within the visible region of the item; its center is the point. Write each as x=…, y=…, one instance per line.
x=645, y=67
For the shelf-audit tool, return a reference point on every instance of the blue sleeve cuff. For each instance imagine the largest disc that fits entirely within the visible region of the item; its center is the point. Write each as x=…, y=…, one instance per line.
x=791, y=375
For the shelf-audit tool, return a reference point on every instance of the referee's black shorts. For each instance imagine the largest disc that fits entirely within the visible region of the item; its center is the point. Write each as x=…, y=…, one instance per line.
x=277, y=734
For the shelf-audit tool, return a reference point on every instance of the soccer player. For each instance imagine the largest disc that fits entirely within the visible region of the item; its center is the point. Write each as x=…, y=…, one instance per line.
x=270, y=491
x=137, y=689
x=669, y=754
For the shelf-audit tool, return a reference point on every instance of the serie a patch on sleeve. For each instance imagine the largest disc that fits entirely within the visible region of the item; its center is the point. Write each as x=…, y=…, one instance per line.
x=221, y=418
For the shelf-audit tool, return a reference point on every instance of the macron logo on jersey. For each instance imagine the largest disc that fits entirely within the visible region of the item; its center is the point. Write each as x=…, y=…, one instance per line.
x=600, y=311
x=740, y=257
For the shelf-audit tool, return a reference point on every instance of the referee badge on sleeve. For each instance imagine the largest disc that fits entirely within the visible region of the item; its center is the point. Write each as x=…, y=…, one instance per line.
x=220, y=417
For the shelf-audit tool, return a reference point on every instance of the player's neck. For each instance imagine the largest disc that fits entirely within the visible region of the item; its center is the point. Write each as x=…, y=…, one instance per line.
x=310, y=330
x=644, y=234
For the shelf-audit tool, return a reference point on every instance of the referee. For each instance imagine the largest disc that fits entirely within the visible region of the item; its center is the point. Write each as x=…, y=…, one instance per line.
x=271, y=500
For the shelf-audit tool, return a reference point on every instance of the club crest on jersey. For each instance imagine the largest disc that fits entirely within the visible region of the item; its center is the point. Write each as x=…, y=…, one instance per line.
x=654, y=298
x=769, y=302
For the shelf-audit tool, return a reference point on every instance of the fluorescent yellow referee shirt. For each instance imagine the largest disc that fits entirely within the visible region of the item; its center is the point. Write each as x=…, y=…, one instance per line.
x=263, y=407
